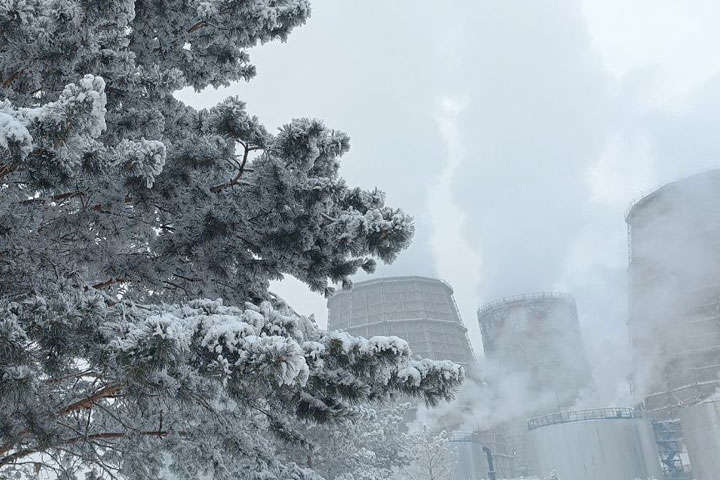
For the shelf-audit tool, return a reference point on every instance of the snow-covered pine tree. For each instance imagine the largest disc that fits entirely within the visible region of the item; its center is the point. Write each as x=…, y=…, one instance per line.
x=121, y=208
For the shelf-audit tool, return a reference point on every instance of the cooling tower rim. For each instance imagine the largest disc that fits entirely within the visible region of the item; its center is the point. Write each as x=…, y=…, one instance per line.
x=638, y=204
x=575, y=416
x=395, y=279
x=526, y=297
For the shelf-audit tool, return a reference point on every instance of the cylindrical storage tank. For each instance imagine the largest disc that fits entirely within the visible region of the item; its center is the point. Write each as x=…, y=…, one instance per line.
x=701, y=431
x=476, y=450
x=538, y=335
x=471, y=462
x=601, y=444
x=420, y=310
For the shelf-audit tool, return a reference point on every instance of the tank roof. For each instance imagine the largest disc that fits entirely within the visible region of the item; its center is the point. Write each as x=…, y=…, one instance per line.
x=613, y=413
x=527, y=297
x=639, y=204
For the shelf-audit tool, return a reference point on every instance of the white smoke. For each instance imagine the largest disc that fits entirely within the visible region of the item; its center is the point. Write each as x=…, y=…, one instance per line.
x=491, y=395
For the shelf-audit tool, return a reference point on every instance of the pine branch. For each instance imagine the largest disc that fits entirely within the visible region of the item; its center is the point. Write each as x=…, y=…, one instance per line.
x=197, y=26
x=86, y=373
x=205, y=23
x=108, y=283
x=88, y=402
x=241, y=170
x=61, y=197
x=12, y=78
x=6, y=170
x=84, y=438
x=105, y=392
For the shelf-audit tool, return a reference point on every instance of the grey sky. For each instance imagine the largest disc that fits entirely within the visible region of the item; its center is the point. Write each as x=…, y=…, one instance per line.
x=516, y=132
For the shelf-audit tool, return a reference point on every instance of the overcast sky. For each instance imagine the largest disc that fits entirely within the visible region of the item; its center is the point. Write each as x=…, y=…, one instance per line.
x=516, y=132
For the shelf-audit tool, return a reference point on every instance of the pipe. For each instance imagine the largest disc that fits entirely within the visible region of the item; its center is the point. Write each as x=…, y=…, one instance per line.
x=491, y=464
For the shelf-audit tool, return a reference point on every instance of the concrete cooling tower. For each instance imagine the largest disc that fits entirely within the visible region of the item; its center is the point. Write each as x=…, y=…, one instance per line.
x=538, y=335
x=421, y=311
x=601, y=444
x=418, y=309
x=674, y=322
x=536, y=339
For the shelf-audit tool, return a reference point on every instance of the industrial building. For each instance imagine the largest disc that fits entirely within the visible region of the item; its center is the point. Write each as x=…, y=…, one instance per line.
x=418, y=309
x=422, y=311
x=674, y=318
x=599, y=444
x=538, y=335
x=484, y=454
x=701, y=430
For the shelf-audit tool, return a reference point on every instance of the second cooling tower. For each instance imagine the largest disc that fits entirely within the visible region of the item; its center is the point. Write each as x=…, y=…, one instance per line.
x=674, y=321
x=538, y=336
x=674, y=239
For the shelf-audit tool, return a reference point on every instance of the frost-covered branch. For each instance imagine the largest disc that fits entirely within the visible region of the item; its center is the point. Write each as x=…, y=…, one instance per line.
x=88, y=402
x=85, y=438
x=241, y=169
x=220, y=363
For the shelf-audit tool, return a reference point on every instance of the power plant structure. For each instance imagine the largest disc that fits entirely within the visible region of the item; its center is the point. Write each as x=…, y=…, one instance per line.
x=423, y=312
x=484, y=454
x=701, y=430
x=674, y=329
x=538, y=335
x=674, y=317
x=420, y=310
x=598, y=444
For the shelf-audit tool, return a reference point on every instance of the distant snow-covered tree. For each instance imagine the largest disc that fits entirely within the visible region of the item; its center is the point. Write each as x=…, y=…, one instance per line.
x=431, y=457
x=368, y=444
x=121, y=208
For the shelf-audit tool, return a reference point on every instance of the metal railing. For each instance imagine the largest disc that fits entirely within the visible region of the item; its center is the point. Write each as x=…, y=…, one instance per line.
x=640, y=197
x=528, y=296
x=464, y=437
x=648, y=192
x=582, y=416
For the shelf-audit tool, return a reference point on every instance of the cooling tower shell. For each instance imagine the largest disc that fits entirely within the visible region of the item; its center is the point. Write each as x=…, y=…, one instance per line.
x=674, y=315
x=420, y=310
x=674, y=270
x=601, y=444
x=538, y=335
x=701, y=431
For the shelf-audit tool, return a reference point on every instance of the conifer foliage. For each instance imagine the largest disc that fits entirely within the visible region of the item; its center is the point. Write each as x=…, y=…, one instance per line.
x=122, y=209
